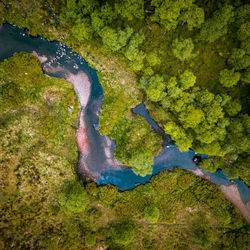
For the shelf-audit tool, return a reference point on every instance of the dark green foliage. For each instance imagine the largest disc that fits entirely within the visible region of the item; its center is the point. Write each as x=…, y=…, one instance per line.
x=194, y=16
x=90, y=239
x=202, y=234
x=217, y=25
x=73, y=198
x=12, y=95
x=182, y=48
x=130, y=9
x=208, y=165
x=167, y=12
x=239, y=59
x=108, y=194
x=115, y=40
x=186, y=180
x=243, y=32
x=123, y=232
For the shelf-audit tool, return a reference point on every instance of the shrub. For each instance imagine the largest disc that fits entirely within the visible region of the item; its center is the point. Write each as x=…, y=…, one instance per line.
x=208, y=165
x=151, y=214
x=186, y=180
x=73, y=198
x=123, y=233
x=108, y=194
x=90, y=239
x=182, y=48
x=229, y=78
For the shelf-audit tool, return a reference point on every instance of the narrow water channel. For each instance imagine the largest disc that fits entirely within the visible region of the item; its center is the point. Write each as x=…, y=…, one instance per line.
x=60, y=61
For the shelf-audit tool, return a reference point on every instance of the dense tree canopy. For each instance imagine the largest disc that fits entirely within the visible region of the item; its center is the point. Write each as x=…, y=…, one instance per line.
x=182, y=48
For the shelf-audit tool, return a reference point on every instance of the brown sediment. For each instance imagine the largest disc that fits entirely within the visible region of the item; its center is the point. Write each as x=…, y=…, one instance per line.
x=42, y=59
x=199, y=173
x=232, y=194
x=82, y=141
x=50, y=69
x=82, y=86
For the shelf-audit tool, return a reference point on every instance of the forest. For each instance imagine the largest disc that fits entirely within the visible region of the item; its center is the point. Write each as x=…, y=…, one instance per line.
x=189, y=62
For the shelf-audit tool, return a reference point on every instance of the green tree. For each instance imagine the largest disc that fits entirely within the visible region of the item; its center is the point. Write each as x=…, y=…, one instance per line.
x=123, y=232
x=213, y=112
x=246, y=76
x=172, y=82
x=229, y=78
x=73, y=197
x=141, y=162
x=242, y=14
x=155, y=90
x=187, y=79
x=153, y=59
x=208, y=165
x=174, y=92
x=191, y=117
x=243, y=32
x=108, y=194
x=97, y=23
x=132, y=49
x=82, y=30
x=204, y=97
x=239, y=59
x=69, y=12
x=113, y=39
x=245, y=45
x=211, y=149
x=173, y=129
x=194, y=16
x=167, y=12
x=182, y=48
x=233, y=108
x=217, y=25
x=151, y=214
x=130, y=9
x=183, y=141
x=133, y=53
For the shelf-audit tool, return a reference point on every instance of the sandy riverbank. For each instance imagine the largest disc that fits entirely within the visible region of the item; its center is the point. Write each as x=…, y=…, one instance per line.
x=82, y=86
x=231, y=193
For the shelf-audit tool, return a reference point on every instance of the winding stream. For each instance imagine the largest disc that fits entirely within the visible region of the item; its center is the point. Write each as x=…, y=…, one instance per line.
x=96, y=151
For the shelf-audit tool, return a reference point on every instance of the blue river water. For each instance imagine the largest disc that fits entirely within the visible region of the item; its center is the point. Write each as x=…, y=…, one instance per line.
x=14, y=39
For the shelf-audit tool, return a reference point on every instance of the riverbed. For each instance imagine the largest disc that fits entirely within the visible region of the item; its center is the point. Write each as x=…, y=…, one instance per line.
x=96, y=151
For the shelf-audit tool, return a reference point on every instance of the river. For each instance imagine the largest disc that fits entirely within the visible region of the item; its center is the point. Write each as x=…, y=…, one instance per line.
x=95, y=150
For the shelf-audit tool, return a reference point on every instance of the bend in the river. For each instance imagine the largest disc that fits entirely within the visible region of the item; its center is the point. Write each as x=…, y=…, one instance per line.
x=96, y=151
